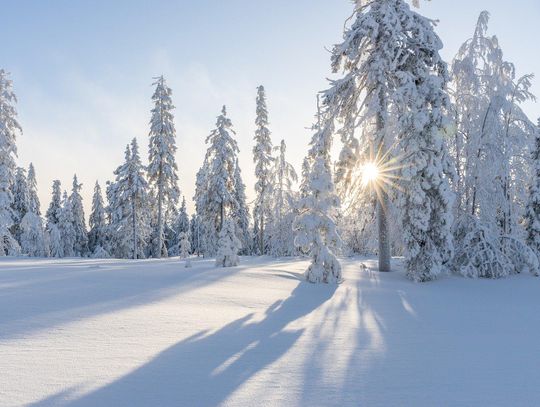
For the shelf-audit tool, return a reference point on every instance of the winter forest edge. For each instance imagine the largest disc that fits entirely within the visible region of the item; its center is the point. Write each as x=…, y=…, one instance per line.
x=438, y=164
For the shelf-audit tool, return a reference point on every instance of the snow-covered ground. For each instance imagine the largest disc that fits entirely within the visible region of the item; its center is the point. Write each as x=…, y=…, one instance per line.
x=153, y=333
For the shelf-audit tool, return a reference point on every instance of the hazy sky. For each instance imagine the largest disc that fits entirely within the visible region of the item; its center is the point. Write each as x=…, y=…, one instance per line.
x=82, y=71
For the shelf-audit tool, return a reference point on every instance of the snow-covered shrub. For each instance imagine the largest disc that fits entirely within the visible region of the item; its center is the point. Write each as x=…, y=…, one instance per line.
x=520, y=255
x=228, y=246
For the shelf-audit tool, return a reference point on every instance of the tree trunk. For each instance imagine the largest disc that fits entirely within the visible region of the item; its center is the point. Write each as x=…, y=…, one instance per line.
x=384, y=235
x=160, y=217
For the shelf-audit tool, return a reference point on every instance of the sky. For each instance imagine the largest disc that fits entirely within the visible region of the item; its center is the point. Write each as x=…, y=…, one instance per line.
x=82, y=71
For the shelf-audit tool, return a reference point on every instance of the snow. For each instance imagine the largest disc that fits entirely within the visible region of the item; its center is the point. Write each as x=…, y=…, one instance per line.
x=98, y=332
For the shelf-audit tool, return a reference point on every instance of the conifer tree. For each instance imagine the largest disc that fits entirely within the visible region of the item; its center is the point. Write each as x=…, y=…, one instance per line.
x=162, y=168
x=80, y=244
x=216, y=195
x=262, y=157
x=34, y=204
x=284, y=205
x=21, y=202
x=66, y=227
x=532, y=210
x=315, y=224
x=97, y=236
x=55, y=206
x=228, y=245
x=184, y=248
x=8, y=151
x=241, y=211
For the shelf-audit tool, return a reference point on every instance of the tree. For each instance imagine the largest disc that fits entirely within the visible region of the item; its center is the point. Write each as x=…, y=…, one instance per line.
x=128, y=197
x=8, y=151
x=21, y=202
x=532, y=210
x=284, y=205
x=162, y=168
x=216, y=193
x=315, y=225
x=53, y=212
x=241, y=212
x=184, y=248
x=66, y=227
x=80, y=246
x=179, y=225
x=34, y=204
x=195, y=233
x=228, y=245
x=97, y=236
x=262, y=157
x=32, y=238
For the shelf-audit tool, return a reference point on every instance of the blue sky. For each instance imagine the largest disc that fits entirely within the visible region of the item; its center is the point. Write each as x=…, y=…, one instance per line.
x=82, y=71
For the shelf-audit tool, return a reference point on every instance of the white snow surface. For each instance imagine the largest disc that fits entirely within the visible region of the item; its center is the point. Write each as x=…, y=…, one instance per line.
x=109, y=332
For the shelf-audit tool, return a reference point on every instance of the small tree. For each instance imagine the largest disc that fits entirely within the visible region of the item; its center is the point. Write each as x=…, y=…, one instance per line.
x=228, y=246
x=97, y=237
x=184, y=248
x=80, y=246
x=532, y=210
x=315, y=224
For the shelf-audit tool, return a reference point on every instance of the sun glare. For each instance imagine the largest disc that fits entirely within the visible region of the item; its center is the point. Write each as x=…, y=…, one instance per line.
x=370, y=173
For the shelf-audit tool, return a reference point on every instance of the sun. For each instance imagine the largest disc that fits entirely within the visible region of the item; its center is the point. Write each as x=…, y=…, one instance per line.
x=370, y=173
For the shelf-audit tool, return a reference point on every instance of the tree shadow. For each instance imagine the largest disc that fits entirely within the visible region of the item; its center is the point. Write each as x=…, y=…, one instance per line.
x=39, y=296
x=204, y=370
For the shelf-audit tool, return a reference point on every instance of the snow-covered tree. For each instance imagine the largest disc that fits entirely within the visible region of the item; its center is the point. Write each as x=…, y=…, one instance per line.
x=55, y=206
x=97, y=236
x=80, y=245
x=315, y=224
x=240, y=211
x=532, y=210
x=162, y=168
x=262, y=157
x=284, y=205
x=54, y=238
x=179, y=225
x=195, y=233
x=33, y=240
x=8, y=151
x=21, y=202
x=228, y=245
x=33, y=200
x=184, y=248
x=66, y=227
x=128, y=198
x=215, y=193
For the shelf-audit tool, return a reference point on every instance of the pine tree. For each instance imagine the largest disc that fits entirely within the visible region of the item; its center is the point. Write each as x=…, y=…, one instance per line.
x=532, y=210
x=195, y=233
x=80, y=245
x=8, y=150
x=216, y=193
x=97, y=236
x=33, y=241
x=315, y=225
x=162, y=168
x=262, y=157
x=284, y=205
x=21, y=202
x=228, y=245
x=53, y=212
x=241, y=211
x=66, y=228
x=179, y=225
x=34, y=203
x=128, y=198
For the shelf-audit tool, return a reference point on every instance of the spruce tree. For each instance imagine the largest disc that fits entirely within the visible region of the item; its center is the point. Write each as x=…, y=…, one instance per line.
x=97, y=236
x=8, y=151
x=34, y=203
x=228, y=245
x=162, y=168
x=532, y=210
x=262, y=157
x=21, y=202
x=55, y=206
x=80, y=245
x=66, y=227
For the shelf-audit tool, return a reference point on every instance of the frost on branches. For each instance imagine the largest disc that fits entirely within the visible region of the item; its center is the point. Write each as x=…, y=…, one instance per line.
x=315, y=226
x=162, y=168
x=8, y=150
x=228, y=246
